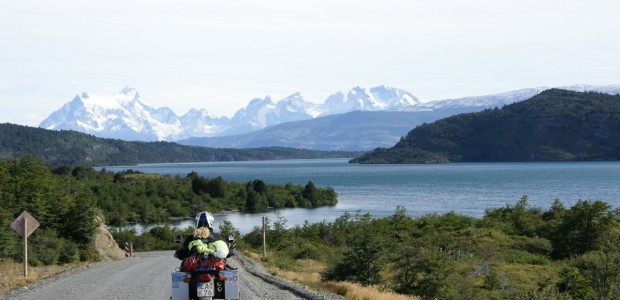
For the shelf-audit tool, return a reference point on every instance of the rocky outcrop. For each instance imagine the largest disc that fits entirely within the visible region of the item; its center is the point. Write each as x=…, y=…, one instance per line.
x=105, y=245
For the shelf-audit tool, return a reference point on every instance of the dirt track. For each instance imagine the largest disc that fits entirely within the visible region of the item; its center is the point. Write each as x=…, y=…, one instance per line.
x=147, y=276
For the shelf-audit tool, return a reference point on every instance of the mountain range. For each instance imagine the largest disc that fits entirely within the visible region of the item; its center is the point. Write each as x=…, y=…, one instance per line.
x=125, y=115
x=360, y=119
x=555, y=125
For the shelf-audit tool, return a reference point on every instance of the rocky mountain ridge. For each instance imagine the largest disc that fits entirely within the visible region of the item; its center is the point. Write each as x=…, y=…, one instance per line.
x=328, y=126
x=125, y=115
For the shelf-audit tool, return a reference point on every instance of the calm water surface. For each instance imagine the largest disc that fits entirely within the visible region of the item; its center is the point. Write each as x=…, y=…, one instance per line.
x=466, y=188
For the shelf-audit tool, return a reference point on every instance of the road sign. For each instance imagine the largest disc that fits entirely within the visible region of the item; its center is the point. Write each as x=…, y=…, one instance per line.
x=31, y=224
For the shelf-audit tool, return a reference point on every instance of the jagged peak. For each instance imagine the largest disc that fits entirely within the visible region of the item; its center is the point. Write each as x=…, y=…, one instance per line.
x=358, y=89
x=259, y=101
x=127, y=90
x=295, y=95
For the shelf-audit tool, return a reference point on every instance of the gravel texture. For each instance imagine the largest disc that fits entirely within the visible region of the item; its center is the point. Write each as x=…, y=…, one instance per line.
x=147, y=276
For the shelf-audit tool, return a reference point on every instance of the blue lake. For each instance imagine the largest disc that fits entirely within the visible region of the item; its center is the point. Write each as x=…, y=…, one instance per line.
x=466, y=188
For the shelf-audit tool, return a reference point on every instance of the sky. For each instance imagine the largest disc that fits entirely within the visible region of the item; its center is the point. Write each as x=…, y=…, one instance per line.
x=218, y=55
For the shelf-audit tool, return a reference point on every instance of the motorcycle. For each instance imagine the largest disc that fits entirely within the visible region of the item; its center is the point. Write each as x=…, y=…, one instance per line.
x=205, y=277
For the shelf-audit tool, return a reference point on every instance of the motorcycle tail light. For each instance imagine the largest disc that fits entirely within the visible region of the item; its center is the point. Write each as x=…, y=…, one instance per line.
x=219, y=264
x=204, y=278
x=187, y=279
x=222, y=278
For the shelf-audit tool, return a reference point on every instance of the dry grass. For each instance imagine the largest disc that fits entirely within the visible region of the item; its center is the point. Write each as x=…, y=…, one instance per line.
x=311, y=277
x=12, y=274
x=349, y=290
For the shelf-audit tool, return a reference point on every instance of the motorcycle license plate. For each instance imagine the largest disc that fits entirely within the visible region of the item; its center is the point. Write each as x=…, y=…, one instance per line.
x=205, y=289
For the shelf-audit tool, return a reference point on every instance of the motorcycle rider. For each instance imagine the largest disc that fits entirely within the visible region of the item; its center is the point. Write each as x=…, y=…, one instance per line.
x=203, y=240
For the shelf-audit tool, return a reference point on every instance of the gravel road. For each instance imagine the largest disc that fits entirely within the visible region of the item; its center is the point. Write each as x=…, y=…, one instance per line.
x=147, y=276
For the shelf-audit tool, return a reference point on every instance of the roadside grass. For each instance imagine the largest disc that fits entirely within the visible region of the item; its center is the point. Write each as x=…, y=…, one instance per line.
x=12, y=274
x=308, y=272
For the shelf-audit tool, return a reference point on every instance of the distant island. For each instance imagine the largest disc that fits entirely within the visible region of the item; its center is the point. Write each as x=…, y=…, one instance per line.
x=556, y=125
x=72, y=148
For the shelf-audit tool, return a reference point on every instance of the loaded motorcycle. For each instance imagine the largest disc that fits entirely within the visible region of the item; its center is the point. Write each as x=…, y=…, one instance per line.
x=204, y=277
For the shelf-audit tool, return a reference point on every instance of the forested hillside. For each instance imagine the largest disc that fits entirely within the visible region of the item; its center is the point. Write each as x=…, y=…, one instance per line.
x=556, y=125
x=66, y=201
x=59, y=148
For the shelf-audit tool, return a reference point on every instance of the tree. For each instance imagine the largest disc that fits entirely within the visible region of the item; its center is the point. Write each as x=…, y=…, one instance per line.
x=227, y=228
x=601, y=270
x=520, y=219
x=259, y=186
x=583, y=227
x=81, y=223
x=215, y=187
x=310, y=193
x=362, y=257
x=573, y=283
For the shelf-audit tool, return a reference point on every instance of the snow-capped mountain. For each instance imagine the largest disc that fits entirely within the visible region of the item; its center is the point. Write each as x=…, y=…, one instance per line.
x=606, y=89
x=465, y=104
x=261, y=113
x=200, y=123
x=367, y=130
x=126, y=116
x=373, y=99
x=482, y=102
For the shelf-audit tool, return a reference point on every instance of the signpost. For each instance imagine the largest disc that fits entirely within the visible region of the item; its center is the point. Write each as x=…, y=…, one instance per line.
x=25, y=225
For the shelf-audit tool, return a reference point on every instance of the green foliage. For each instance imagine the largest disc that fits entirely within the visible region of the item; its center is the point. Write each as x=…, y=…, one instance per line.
x=69, y=252
x=435, y=256
x=59, y=148
x=134, y=197
x=227, y=228
x=67, y=200
x=601, y=270
x=66, y=215
x=573, y=283
x=362, y=257
x=556, y=125
x=519, y=219
x=157, y=238
x=583, y=228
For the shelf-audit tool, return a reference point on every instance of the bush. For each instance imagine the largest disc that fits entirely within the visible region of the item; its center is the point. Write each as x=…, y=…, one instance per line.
x=601, y=271
x=573, y=283
x=520, y=257
x=69, y=252
x=89, y=253
x=534, y=245
x=45, y=247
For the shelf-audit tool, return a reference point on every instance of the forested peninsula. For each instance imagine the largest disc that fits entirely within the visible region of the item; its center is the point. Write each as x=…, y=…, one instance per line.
x=58, y=148
x=556, y=125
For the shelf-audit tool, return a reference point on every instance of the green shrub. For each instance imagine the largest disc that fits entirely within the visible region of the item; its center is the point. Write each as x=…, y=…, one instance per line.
x=69, y=252
x=89, y=253
x=573, y=283
x=522, y=257
x=533, y=245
